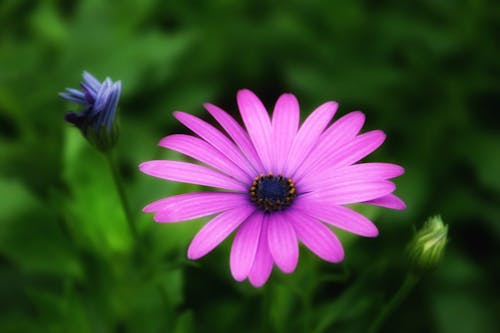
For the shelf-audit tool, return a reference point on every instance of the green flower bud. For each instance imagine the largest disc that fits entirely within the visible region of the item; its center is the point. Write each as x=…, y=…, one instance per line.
x=427, y=247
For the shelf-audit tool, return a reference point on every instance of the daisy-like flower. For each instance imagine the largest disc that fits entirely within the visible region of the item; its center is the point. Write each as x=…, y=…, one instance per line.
x=99, y=100
x=280, y=183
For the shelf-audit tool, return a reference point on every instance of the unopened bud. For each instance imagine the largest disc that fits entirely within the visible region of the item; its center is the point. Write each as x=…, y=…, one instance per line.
x=428, y=244
x=97, y=120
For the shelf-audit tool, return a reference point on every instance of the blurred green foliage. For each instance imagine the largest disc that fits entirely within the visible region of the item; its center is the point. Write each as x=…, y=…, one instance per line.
x=427, y=72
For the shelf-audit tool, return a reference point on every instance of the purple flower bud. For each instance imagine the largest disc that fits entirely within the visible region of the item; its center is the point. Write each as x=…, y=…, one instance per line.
x=97, y=119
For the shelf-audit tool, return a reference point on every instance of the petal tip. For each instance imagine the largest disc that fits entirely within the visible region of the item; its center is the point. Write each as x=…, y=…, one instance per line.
x=238, y=277
x=193, y=255
x=339, y=254
x=401, y=170
x=400, y=206
x=288, y=96
x=358, y=115
x=211, y=107
x=288, y=269
x=373, y=233
x=339, y=257
x=333, y=104
x=257, y=283
x=164, y=141
x=329, y=108
x=147, y=209
x=338, y=260
x=246, y=96
x=245, y=91
x=148, y=167
x=143, y=166
x=380, y=135
x=179, y=115
x=156, y=219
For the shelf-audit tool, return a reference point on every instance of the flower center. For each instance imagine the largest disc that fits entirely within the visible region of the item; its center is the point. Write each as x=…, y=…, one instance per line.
x=272, y=193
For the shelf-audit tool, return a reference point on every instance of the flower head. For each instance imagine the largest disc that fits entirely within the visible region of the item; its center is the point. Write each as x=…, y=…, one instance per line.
x=427, y=246
x=97, y=120
x=279, y=183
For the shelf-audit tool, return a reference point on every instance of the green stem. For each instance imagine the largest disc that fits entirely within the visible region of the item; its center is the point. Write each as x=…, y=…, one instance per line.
x=409, y=283
x=110, y=157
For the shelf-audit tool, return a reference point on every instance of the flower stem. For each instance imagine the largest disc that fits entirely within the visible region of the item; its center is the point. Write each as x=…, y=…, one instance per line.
x=110, y=157
x=409, y=283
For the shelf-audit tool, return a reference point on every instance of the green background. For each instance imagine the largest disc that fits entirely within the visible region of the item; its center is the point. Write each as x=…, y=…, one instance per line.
x=426, y=72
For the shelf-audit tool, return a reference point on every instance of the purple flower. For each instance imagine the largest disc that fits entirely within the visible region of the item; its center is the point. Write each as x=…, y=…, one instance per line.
x=97, y=119
x=280, y=184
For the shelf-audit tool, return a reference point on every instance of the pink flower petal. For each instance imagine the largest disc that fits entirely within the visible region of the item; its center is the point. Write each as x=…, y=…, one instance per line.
x=308, y=135
x=360, y=147
x=388, y=201
x=316, y=236
x=237, y=133
x=286, y=117
x=348, y=193
x=263, y=264
x=204, y=152
x=336, y=136
x=244, y=246
x=368, y=172
x=215, y=231
x=338, y=216
x=258, y=125
x=194, y=205
x=283, y=243
x=213, y=136
x=190, y=173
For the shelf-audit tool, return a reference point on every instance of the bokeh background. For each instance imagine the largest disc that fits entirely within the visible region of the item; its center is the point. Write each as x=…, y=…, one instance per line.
x=426, y=72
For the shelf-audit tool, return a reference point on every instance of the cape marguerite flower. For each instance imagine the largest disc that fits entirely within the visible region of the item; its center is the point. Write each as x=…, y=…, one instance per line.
x=279, y=183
